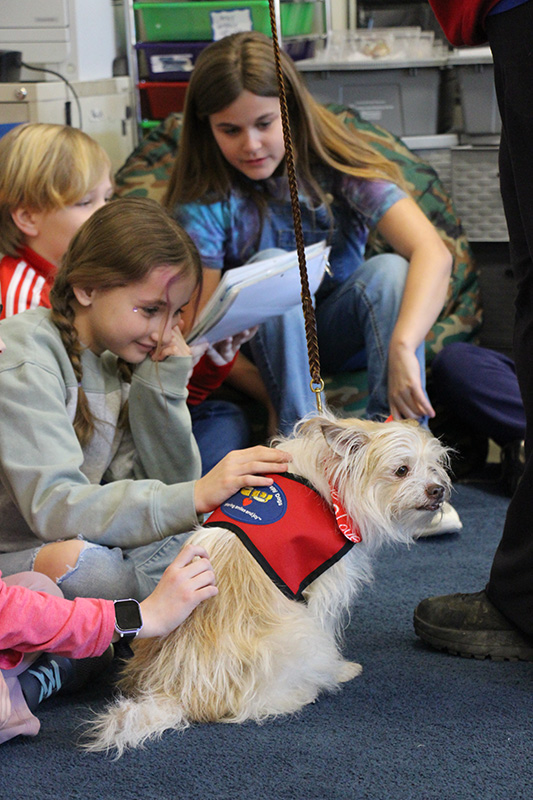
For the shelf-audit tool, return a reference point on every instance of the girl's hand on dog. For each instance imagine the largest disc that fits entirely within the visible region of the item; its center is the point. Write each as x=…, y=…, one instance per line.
x=184, y=584
x=238, y=469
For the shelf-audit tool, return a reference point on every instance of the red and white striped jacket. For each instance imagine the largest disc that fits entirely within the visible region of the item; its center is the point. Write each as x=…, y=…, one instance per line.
x=25, y=282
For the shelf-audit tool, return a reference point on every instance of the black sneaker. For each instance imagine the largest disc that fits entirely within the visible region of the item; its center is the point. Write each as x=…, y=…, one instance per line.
x=469, y=625
x=45, y=678
x=50, y=674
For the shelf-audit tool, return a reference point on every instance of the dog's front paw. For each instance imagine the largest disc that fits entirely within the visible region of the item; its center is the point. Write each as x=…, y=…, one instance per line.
x=348, y=671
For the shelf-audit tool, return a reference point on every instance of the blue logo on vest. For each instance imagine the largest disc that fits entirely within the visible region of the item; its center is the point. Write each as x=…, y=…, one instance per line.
x=256, y=506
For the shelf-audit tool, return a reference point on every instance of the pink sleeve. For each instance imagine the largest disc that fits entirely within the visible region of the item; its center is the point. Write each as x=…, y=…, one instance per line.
x=35, y=621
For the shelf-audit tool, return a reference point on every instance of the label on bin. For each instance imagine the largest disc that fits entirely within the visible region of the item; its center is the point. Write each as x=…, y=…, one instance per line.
x=223, y=23
x=178, y=62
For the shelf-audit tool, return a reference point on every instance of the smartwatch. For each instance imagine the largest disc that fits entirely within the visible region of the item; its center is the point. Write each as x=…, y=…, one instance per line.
x=128, y=619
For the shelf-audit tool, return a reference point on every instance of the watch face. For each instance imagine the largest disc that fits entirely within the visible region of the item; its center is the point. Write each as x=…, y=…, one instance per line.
x=128, y=615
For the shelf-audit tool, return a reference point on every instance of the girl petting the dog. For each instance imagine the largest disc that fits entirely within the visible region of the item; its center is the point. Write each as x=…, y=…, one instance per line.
x=99, y=472
x=229, y=190
x=37, y=623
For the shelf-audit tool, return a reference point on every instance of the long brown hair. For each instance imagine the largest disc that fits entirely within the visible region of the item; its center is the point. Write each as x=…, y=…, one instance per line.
x=245, y=61
x=119, y=244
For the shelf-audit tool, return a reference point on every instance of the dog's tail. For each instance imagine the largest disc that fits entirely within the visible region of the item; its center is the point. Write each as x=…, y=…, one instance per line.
x=131, y=722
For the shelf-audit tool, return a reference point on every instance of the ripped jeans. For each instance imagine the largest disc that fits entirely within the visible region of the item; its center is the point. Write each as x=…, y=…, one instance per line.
x=107, y=572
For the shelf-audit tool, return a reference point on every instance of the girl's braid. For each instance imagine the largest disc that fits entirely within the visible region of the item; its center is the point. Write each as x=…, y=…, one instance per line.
x=63, y=319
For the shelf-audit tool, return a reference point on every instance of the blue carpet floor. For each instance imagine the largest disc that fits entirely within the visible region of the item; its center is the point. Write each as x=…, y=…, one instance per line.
x=417, y=725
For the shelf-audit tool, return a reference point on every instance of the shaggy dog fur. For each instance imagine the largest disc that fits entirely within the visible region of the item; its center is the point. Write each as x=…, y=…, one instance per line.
x=250, y=652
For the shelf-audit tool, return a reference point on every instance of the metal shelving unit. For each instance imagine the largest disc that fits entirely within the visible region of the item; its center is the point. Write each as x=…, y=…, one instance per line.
x=295, y=42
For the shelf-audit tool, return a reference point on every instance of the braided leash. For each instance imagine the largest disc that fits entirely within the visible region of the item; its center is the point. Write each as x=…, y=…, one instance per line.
x=316, y=383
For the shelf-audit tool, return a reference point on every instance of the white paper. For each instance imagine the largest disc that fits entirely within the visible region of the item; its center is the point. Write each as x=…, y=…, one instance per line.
x=248, y=295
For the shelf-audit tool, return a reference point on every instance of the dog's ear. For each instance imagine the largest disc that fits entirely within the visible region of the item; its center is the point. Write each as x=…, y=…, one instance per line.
x=344, y=439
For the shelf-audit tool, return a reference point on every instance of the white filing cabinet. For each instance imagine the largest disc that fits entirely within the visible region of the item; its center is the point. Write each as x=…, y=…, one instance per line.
x=106, y=110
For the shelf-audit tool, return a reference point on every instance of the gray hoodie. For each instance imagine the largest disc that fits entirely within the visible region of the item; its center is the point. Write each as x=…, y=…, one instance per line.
x=127, y=488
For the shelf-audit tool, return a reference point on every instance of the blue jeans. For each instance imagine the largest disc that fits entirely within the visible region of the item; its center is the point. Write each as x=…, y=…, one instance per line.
x=107, y=572
x=279, y=350
x=355, y=320
x=218, y=427
x=113, y=573
x=359, y=317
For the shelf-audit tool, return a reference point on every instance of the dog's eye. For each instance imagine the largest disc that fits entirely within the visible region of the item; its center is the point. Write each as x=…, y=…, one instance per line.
x=402, y=471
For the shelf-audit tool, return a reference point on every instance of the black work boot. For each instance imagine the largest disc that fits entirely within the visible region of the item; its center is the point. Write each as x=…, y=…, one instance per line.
x=469, y=625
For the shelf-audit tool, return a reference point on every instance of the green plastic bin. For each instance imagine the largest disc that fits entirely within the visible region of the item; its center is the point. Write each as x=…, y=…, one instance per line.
x=296, y=18
x=182, y=21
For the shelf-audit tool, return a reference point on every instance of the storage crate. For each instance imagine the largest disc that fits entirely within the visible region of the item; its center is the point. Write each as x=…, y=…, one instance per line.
x=299, y=49
x=296, y=18
x=478, y=99
x=475, y=75
x=174, y=61
x=437, y=152
x=476, y=193
x=161, y=98
x=170, y=61
x=196, y=21
x=404, y=100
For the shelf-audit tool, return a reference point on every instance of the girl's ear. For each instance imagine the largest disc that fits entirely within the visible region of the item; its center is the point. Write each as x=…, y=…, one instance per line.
x=84, y=296
x=26, y=221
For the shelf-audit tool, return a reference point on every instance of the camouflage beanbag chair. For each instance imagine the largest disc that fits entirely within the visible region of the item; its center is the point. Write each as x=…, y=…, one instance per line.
x=146, y=172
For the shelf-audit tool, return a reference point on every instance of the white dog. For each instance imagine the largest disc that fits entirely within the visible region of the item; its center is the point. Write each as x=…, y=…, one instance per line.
x=269, y=642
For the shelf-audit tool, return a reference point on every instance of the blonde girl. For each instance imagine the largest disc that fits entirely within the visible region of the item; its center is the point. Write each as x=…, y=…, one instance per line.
x=99, y=473
x=229, y=190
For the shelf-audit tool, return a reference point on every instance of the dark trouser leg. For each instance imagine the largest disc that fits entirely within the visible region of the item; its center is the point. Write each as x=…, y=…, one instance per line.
x=480, y=386
x=510, y=586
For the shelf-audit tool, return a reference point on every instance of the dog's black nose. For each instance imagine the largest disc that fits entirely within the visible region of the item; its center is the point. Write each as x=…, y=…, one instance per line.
x=435, y=491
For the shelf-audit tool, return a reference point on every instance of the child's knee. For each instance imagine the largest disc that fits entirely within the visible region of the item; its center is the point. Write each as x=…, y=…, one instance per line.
x=55, y=558
x=378, y=287
x=387, y=271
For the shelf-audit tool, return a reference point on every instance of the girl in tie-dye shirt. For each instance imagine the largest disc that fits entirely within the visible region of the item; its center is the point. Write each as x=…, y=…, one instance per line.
x=229, y=190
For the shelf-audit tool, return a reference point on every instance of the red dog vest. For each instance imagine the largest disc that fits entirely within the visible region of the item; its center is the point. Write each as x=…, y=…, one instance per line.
x=289, y=529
